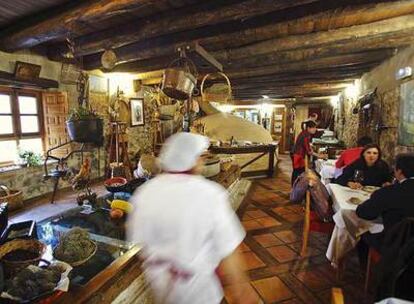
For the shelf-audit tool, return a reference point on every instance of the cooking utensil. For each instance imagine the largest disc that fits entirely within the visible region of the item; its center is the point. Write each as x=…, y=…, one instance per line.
x=178, y=82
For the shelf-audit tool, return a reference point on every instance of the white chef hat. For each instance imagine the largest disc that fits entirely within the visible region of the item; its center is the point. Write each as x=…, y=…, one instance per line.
x=181, y=151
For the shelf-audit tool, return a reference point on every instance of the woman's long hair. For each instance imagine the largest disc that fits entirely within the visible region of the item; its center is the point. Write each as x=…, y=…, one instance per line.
x=370, y=146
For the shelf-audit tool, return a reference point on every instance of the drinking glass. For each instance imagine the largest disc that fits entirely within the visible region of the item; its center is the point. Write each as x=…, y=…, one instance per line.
x=358, y=176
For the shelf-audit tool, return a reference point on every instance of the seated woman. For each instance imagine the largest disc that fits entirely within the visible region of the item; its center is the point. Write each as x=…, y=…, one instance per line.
x=375, y=171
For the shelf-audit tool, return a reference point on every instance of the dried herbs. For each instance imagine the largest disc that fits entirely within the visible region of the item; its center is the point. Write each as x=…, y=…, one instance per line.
x=74, y=246
x=33, y=281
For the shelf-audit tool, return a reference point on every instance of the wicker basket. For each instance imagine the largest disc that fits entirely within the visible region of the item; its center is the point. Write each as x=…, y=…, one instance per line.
x=81, y=262
x=32, y=245
x=14, y=198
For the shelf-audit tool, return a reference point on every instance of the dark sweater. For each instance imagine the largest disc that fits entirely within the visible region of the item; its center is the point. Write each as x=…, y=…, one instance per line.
x=393, y=203
x=373, y=176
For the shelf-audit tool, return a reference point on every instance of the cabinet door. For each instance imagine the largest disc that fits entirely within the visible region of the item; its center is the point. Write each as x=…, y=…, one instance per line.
x=55, y=111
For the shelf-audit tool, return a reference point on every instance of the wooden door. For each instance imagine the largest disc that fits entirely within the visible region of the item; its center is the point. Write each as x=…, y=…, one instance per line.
x=55, y=112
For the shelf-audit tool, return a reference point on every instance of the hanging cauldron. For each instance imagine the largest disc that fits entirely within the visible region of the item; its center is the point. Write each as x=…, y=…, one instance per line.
x=178, y=82
x=86, y=130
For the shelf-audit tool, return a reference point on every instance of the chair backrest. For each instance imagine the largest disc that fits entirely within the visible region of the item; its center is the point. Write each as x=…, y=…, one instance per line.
x=395, y=272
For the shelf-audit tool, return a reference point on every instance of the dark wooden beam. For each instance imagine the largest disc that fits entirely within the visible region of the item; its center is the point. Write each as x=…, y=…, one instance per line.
x=44, y=83
x=387, y=29
x=70, y=21
x=180, y=20
x=213, y=37
x=312, y=64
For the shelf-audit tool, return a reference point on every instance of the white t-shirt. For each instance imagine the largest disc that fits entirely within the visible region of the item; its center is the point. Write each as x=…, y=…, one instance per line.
x=184, y=222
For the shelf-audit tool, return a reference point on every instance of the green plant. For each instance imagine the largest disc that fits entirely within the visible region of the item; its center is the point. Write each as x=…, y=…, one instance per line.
x=30, y=158
x=83, y=113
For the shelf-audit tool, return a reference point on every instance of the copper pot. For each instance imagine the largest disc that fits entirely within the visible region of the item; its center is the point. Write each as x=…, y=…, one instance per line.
x=178, y=84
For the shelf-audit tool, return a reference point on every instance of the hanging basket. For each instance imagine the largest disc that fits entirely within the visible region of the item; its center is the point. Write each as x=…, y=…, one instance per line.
x=178, y=82
x=86, y=130
x=221, y=98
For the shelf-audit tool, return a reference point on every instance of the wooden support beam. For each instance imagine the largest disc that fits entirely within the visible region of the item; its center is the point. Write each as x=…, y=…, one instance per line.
x=44, y=83
x=214, y=39
x=367, y=44
x=180, y=20
x=400, y=27
x=70, y=21
x=309, y=65
x=200, y=56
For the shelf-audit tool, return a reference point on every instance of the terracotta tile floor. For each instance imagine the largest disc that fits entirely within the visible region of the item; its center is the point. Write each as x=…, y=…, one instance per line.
x=272, y=246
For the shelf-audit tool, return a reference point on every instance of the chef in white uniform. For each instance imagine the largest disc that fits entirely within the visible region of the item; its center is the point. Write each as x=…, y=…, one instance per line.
x=187, y=228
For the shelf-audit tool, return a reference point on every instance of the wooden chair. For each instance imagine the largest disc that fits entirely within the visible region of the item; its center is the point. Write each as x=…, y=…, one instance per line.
x=337, y=296
x=312, y=221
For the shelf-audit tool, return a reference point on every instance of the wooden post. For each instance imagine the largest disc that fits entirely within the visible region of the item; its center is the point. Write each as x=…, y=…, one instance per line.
x=306, y=223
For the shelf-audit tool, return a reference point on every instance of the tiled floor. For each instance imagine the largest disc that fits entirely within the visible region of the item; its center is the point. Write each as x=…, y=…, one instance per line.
x=271, y=250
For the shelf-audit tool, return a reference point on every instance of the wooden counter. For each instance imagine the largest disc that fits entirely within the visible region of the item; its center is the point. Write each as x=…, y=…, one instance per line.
x=269, y=150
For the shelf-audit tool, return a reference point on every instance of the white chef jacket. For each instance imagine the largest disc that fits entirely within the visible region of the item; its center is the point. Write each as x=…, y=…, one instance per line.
x=184, y=222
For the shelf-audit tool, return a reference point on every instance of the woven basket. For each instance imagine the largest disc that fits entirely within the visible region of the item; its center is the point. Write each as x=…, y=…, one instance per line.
x=32, y=245
x=14, y=198
x=81, y=262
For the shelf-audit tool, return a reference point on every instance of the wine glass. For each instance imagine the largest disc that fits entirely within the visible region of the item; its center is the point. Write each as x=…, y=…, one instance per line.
x=358, y=176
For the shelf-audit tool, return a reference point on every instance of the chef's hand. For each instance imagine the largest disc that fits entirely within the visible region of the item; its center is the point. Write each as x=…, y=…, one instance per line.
x=354, y=185
x=386, y=184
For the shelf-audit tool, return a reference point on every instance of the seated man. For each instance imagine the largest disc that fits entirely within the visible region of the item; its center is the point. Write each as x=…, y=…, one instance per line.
x=393, y=203
x=350, y=155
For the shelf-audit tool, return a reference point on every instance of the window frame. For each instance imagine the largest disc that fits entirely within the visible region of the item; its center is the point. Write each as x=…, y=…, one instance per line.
x=17, y=134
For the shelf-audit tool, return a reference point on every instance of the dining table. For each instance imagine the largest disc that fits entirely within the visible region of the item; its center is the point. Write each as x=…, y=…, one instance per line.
x=348, y=226
x=327, y=170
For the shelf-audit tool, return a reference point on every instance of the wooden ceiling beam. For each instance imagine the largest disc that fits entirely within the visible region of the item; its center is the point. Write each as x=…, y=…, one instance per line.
x=213, y=38
x=399, y=27
x=70, y=21
x=305, y=51
x=180, y=20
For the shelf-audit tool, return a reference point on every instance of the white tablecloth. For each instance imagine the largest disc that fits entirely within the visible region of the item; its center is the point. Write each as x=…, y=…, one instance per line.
x=348, y=226
x=394, y=301
x=327, y=169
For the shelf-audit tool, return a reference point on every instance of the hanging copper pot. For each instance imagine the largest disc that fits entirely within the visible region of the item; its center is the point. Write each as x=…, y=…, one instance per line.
x=179, y=82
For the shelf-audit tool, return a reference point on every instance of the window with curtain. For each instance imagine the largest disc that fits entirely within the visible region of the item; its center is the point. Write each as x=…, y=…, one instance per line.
x=21, y=124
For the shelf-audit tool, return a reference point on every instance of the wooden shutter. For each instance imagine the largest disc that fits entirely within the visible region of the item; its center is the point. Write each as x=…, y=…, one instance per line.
x=55, y=111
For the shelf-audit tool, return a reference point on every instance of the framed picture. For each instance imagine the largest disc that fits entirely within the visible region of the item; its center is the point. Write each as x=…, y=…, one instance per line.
x=406, y=126
x=26, y=71
x=137, y=111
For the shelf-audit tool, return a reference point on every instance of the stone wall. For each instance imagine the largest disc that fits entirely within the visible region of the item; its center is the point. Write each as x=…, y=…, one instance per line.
x=386, y=106
x=346, y=123
x=30, y=180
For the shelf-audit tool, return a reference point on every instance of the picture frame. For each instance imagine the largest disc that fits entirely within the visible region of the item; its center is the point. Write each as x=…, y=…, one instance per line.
x=406, y=121
x=137, y=111
x=26, y=71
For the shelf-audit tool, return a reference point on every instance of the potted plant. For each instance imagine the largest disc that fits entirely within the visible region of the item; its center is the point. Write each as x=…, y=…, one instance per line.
x=84, y=125
x=30, y=158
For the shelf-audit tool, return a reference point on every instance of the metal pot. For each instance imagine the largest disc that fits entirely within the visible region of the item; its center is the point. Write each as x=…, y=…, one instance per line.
x=178, y=84
x=211, y=167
